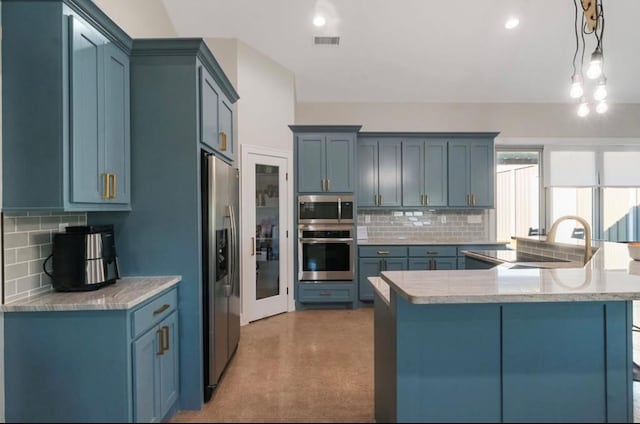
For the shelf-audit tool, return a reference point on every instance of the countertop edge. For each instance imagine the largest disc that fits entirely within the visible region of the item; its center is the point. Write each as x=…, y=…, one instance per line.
x=171, y=281
x=410, y=242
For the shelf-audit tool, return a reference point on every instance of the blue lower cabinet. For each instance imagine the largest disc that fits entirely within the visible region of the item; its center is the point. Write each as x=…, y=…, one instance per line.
x=326, y=292
x=432, y=264
x=93, y=365
x=155, y=359
x=373, y=266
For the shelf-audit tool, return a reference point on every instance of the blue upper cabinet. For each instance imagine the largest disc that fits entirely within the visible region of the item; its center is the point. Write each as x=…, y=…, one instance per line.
x=424, y=173
x=209, y=102
x=379, y=172
x=66, y=137
x=471, y=173
x=216, y=116
x=325, y=158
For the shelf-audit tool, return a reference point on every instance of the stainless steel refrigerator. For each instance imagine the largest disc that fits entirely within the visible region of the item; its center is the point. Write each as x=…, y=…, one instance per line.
x=220, y=279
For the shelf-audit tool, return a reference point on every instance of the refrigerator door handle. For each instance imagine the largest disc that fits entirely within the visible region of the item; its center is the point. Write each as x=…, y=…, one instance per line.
x=234, y=259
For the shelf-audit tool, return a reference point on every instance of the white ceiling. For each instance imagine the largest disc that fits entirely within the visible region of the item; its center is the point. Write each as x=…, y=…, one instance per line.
x=423, y=50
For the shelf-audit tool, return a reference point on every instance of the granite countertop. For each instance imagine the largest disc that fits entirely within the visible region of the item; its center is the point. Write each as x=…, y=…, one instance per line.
x=401, y=241
x=126, y=293
x=610, y=275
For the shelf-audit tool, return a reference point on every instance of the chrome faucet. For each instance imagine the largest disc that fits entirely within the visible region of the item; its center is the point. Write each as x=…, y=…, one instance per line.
x=551, y=235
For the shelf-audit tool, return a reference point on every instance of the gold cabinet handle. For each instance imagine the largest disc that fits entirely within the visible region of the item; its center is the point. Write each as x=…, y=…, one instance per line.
x=160, y=334
x=474, y=199
x=165, y=339
x=328, y=185
x=112, y=186
x=426, y=199
x=161, y=309
x=223, y=141
x=383, y=252
x=381, y=200
x=468, y=199
x=253, y=246
x=375, y=199
x=325, y=293
x=322, y=185
x=106, y=191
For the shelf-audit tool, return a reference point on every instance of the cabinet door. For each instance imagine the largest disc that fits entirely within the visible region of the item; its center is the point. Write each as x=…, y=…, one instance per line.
x=395, y=264
x=117, y=122
x=446, y=263
x=413, y=173
x=87, y=110
x=169, y=381
x=420, y=264
x=481, y=165
x=435, y=173
x=339, y=157
x=311, y=163
x=367, y=172
x=209, y=102
x=226, y=141
x=367, y=267
x=390, y=172
x=146, y=374
x=458, y=173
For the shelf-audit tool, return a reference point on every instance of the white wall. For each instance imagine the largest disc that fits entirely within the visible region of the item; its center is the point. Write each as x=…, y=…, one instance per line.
x=511, y=120
x=139, y=18
x=267, y=100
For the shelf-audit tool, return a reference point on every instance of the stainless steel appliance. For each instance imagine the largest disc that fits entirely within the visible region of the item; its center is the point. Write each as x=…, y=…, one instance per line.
x=221, y=276
x=325, y=209
x=325, y=252
x=84, y=258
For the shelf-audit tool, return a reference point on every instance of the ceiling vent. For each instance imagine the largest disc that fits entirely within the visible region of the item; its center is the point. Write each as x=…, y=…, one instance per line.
x=326, y=41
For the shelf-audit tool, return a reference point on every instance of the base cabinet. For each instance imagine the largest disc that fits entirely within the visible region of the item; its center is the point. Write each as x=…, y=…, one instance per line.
x=155, y=359
x=93, y=365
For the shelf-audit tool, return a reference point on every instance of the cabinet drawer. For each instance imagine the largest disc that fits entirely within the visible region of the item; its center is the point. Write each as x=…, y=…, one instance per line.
x=382, y=251
x=153, y=312
x=320, y=292
x=422, y=251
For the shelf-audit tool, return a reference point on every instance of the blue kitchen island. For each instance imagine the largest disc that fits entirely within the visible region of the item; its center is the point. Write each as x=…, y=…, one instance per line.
x=508, y=344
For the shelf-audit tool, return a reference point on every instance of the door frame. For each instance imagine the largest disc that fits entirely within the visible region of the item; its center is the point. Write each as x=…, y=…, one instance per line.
x=247, y=229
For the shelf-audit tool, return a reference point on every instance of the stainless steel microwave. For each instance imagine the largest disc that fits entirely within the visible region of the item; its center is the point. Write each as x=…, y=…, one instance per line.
x=325, y=209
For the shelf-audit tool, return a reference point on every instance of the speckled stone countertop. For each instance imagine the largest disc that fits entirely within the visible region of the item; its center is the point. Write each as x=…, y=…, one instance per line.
x=610, y=275
x=516, y=258
x=124, y=294
x=400, y=241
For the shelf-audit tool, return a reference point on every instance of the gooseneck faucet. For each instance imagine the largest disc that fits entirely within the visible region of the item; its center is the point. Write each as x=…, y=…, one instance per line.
x=551, y=235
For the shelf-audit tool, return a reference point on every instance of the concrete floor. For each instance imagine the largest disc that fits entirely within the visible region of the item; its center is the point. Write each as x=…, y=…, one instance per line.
x=304, y=366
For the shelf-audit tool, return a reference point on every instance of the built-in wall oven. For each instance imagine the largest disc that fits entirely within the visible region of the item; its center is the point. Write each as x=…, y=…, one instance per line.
x=325, y=252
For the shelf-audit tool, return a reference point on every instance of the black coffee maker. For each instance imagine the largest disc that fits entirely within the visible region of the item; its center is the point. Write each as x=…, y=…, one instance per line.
x=84, y=258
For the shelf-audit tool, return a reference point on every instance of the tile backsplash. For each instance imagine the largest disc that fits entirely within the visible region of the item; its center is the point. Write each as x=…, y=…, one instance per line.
x=429, y=225
x=27, y=243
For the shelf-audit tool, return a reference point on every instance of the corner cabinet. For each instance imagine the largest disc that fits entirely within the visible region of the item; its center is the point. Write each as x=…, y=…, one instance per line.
x=471, y=173
x=66, y=138
x=110, y=365
x=325, y=158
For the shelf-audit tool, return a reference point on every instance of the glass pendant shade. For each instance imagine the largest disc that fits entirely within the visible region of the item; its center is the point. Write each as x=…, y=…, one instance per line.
x=602, y=107
x=577, y=90
x=595, y=66
x=583, y=109
x=600, y=92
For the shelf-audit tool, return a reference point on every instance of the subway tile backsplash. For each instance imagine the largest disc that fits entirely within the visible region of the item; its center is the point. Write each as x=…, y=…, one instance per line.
x=446, y=225
x=27, y=243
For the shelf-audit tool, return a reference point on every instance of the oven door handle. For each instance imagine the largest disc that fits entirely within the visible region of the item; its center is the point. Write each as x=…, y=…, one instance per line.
x=326, y=240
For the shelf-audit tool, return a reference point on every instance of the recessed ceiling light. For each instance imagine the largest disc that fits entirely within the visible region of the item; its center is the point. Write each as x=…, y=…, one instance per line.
x=319, y=21
x=512, y=22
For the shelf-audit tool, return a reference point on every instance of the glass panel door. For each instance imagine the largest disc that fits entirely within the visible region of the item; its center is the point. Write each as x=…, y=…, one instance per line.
x=267, y=234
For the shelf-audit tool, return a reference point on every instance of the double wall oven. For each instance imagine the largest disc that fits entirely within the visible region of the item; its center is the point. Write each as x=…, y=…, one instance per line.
x=326, y=246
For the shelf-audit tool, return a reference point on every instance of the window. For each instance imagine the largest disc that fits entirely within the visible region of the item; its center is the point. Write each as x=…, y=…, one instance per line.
x=570, y=201
x=620, y=214
x=518, y=200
